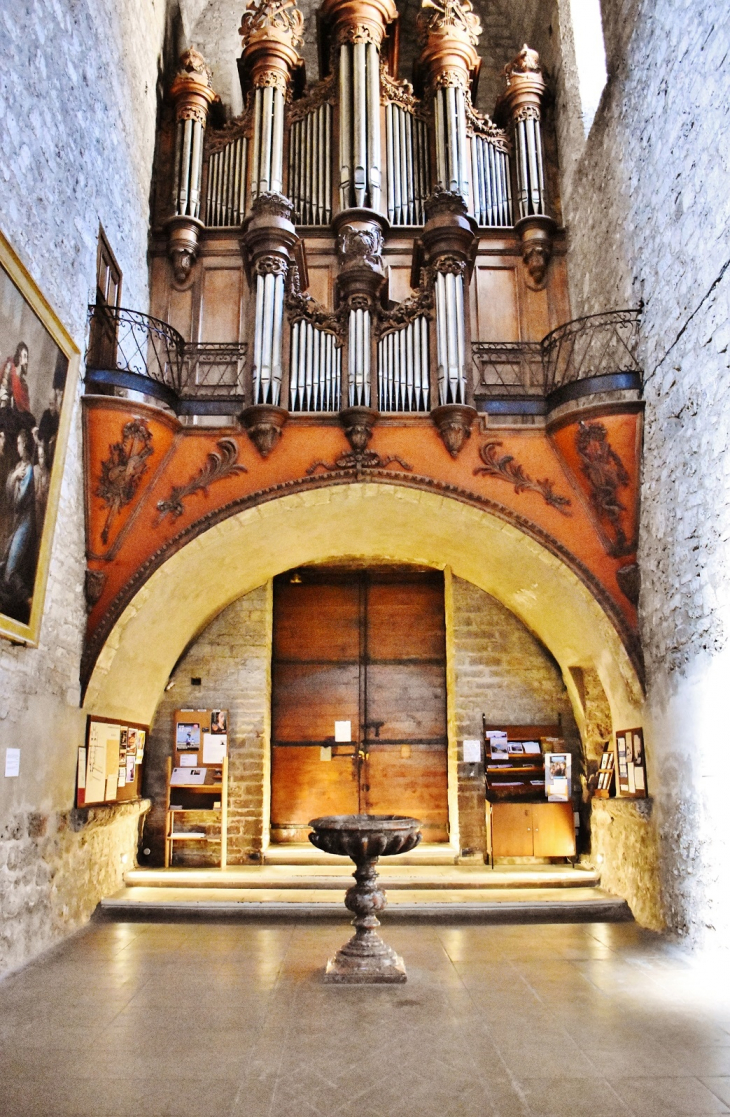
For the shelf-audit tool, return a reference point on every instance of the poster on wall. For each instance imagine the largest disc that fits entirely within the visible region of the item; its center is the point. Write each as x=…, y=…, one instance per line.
x=38, y=373
x=557, y=776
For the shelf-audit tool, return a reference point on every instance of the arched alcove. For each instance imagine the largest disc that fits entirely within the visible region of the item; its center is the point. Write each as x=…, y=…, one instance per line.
x=379, y=522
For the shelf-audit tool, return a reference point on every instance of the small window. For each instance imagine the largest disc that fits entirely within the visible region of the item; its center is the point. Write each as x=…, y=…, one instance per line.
x=590, y=56
x=108, y=274
x=102, y=351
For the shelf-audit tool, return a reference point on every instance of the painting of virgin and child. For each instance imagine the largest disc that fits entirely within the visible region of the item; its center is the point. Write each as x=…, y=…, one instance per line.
x=33, y=383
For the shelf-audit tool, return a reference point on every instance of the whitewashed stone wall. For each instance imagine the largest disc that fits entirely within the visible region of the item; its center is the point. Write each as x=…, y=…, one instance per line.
x=647, y=205
x=77, y=116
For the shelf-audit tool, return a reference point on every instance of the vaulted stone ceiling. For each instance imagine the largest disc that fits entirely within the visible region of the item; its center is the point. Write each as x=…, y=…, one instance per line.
x=212, y=27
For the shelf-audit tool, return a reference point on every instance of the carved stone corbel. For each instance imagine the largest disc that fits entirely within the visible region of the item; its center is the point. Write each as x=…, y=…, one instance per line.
x=358, y=423
x=264, y=423
x=453, y=421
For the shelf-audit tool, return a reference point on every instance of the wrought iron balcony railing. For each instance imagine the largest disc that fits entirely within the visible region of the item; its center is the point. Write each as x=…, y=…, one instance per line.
x=140, y=353
x=591, y=354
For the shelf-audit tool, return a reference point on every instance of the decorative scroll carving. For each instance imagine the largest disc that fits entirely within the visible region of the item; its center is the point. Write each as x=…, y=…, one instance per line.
x=192, y=64
x=526, y=62
x=505, y=468
x=399, y=93
x=360, y=246
x=360, y=33
x=218, y=138
x=606, y=474
x=441, y=16
x=526, y=112
x=449, y=264
x=188, y=111
x=419, y=305
x=218, y=465
x=484, y=126
x=123, y=470
x=299, y=306
x=272, y=204
x=272, y=15
x=94, y=582
x=359, y=460
x=320, y=93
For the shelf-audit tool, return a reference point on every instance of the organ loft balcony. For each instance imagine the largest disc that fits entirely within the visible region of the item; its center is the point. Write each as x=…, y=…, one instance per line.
x=359, y=279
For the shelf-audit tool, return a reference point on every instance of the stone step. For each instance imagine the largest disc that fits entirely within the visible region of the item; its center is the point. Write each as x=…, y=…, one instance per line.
x=392, y=876
x=508, y=905
x=304, y=853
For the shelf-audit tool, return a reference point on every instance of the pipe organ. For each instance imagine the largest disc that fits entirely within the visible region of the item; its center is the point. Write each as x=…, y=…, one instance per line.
x=361, y=157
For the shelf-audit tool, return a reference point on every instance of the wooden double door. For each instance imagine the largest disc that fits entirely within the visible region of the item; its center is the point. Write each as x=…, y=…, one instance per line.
x=366, y=647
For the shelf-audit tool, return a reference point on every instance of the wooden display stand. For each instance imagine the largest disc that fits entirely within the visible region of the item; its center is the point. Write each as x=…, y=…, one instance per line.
x=198, y=779
x=519, y=822
x=197, y=798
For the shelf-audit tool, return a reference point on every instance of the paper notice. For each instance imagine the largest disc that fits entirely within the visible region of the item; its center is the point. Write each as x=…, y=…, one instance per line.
x=96, y=764
x=187, y=775
x=141, y=738
x=189, y=761
x=472, y=751
x=558, y=791
x=639, y=779
x=632, y=780
x=12, y=762
x=111, y=786
x=343, y=732
x=325, y=753
x=122, y=775
x=130, y=768
x=81, y=772
x=214, y=748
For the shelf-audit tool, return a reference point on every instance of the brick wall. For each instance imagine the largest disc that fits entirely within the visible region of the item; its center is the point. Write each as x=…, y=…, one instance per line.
x=232, y=658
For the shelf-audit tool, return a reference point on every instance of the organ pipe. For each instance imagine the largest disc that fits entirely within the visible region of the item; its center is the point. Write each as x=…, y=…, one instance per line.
x=359, y=358
x=315, y=369
x=450, y=345
x=360, y=142
x=403, y=368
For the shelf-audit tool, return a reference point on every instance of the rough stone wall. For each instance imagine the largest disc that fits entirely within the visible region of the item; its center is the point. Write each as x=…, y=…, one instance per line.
x=77, y=113
x=624, y=850
x=647, y=208
x=232, y=658
x=501, y=670
x=55, y=867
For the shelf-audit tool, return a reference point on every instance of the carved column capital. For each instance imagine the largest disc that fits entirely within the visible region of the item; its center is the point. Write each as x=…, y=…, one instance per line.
x=449, y=230
x=359, y=21
x=448, y=31
x=271, y=32
x=268, y=232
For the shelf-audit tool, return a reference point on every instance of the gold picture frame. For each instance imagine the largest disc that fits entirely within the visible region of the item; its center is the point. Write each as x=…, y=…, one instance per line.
x=39, y=368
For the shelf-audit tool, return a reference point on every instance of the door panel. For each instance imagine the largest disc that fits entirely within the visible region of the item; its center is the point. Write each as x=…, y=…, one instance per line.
x=512, y=830
x=317, y=622
x=368, y=647
x=309, y=697
x=553, y=829
x=303, y=786
x=406, y=621
x=411, y=781
x=406, y=702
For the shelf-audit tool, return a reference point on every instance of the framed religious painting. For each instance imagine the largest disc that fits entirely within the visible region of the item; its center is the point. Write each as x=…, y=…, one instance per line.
x=38, y=377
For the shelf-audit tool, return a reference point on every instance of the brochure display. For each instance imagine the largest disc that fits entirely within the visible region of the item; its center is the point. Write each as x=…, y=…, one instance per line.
x=197, y=782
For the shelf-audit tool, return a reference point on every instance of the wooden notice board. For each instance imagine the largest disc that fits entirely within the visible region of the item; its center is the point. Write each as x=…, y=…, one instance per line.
x=110, y=763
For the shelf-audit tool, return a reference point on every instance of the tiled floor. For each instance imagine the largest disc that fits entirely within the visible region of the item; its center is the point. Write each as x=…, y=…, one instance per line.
x=231, y=1020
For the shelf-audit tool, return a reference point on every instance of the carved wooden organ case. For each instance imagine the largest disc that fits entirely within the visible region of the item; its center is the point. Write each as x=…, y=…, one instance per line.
x=366, y=254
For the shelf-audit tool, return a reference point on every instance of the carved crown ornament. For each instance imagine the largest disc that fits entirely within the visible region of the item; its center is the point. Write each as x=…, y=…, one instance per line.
x=193, y=65
x=396, y=92
x=281, y=16
x=444, y=17
x=419, y=305
x=526, y=62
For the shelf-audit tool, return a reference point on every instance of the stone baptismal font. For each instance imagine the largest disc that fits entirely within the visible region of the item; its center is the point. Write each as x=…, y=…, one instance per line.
x=365, y=837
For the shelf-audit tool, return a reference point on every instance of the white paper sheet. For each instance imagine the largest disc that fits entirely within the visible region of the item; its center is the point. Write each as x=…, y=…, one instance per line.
x=189, y=761
x=472, y=751
x=96, y=764
x=343, y=732
x=12, y=762
x=187, y=775
x=81, y=772
x=325, y=753
x=214, y=748
x=112, y=782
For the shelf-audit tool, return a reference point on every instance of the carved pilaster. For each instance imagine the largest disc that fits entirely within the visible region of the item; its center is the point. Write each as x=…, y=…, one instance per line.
x=521, y=104
x=192, y=95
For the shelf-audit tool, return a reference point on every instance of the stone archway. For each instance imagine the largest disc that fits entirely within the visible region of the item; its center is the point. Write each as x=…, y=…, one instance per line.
x=383, y=522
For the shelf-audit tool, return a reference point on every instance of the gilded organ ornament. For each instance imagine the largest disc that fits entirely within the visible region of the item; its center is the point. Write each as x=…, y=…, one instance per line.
x=280, y=16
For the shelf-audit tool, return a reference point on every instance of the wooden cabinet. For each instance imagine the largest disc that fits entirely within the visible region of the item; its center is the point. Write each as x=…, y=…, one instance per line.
x=531, y=829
